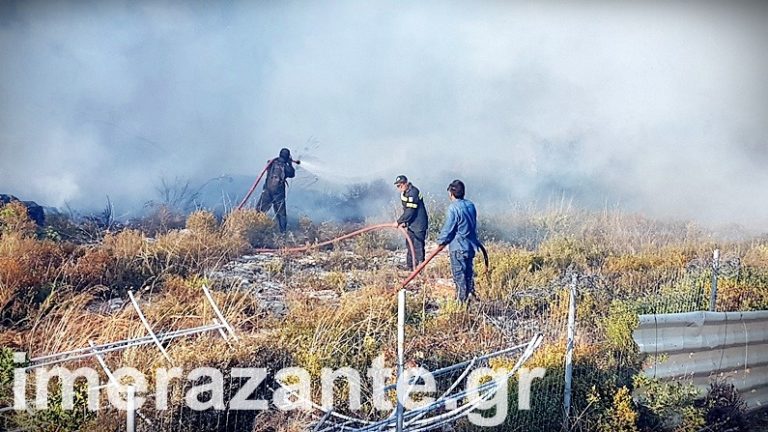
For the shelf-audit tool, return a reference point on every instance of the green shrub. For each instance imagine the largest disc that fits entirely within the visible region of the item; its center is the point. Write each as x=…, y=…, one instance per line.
x=57, y=419
x=562, y=252
x=621, y=321
x=668, y=406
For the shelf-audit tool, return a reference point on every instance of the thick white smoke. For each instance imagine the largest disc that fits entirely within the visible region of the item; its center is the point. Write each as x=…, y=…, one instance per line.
x=660, y=107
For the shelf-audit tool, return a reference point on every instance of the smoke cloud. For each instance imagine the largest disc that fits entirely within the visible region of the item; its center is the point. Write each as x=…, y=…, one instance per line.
x=658, y=107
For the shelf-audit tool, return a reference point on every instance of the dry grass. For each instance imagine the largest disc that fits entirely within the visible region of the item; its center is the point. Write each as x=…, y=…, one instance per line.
x=59, y=288
x=202, y=222
x=14, y=219
x=249, y=227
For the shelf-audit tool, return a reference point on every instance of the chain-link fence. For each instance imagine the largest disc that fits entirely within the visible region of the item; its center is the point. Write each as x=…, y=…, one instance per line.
x=609, y=297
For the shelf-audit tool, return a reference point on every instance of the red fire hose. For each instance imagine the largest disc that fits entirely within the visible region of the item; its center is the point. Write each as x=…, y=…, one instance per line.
x=421, y=266
x=434, y=253
x=414, y=273
x=344, y=237
x=256, y=183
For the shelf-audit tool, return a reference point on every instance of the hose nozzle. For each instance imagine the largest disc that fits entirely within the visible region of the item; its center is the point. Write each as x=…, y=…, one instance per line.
x=297, y=162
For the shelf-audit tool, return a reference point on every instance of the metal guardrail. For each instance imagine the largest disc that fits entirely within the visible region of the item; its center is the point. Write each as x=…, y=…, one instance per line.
x=696, y=347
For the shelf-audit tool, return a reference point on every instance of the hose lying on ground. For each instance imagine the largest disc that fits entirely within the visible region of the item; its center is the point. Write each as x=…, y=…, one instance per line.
x=414, y=273
x=411, y=276
x=344, y=237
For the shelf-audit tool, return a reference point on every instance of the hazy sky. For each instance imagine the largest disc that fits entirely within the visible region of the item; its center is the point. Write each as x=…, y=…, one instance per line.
x=660, y=107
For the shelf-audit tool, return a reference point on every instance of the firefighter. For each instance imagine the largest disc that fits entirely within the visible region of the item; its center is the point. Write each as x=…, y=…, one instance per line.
x=280, y=169
x=460, y=233
x=414, y=218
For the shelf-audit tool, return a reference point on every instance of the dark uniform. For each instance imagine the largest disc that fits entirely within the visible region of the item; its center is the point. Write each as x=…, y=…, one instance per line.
x=416, y=221
x=273, y=194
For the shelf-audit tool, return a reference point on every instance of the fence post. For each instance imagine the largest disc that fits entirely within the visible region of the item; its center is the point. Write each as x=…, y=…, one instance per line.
x=130, y=410
x=569, y=353
x=400, y=355
x=715, y=270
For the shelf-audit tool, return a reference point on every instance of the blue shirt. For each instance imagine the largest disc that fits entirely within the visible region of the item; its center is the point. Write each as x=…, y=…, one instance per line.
x=460, y=227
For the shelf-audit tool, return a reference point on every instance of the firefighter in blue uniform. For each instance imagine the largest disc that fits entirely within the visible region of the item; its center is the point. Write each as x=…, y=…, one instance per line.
x=414, y=218
x=280, y=169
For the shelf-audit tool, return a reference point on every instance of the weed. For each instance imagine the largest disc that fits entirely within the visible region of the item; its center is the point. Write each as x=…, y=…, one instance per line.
x=249, y=227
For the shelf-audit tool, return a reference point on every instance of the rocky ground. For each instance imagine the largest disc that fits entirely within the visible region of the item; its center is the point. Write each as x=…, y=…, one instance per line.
x=322, y=275
x=327, y=275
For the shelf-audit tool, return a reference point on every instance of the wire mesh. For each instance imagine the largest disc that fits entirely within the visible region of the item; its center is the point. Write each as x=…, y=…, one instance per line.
x=603, y=360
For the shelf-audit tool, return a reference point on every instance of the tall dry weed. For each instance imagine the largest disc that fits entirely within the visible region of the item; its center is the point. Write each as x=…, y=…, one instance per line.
x=27, y=268
x=249, y=227
x=15, y=219
x=202, y=222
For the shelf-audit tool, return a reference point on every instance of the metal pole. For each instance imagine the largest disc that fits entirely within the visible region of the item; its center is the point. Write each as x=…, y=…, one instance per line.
x=125, y=343
x=322, y=420
x=442, y=371
x=130, y=411
x=115, y=346
x=569, y=353
x=715, y=270
x=149, y=329
x=400, y=355
x=218, y=313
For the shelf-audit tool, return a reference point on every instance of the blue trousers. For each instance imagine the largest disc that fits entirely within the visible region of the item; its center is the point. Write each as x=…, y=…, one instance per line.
x=463, y=273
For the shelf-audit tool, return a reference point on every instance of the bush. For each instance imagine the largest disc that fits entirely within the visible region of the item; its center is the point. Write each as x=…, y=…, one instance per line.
x=511, y=269
x=92, y=268
x=27, y=268
x=15, y=219
x=757, y=256
x=57, y=419
x=725, y=408
x=562, y=252
x=184, y=252
x=250, y=227
x=622, y=417
x=376, y=243
x=748, y=292
x=60, y=226
x=618, y=326
x=161, y=219
x=202, y=222
x=668, y=406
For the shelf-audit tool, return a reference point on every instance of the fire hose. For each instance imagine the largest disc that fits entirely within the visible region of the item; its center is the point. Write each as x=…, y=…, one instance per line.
x=411, y=276
x=414, y=273
x=258, y=179
x=434, y=253
x=344, y=237
x=255, y=183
